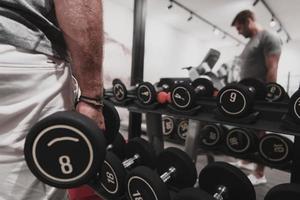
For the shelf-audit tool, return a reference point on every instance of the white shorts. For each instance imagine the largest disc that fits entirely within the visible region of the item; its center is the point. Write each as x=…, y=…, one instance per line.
x=32, y=86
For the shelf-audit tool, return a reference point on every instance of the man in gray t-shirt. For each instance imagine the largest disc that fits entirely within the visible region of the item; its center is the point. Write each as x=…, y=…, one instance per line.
x=259, y=60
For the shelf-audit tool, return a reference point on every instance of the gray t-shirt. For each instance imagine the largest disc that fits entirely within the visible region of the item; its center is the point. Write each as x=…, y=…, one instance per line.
x=252, y=59
x=31, y=25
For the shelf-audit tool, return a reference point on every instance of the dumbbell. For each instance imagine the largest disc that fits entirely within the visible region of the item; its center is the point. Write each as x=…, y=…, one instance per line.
x=120, y=92
x=148, y=94
x=275, y=149
x=176, y=170
x=66, y=149
x=220, y=181
x=294, y=107
x=113, y=172
x=168, y=126
x=237, y=100
x=276, y=93
x=212, y=136
x=290, y=191
x=185, y=95
x=241, y=141
x=117, y=146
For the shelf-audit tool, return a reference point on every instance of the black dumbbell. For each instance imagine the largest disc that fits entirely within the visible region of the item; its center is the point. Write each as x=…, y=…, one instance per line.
x=212, y=136
x=275, y=149
x=182, y=126
x=237, y=100
x=241, y=141
x=294, y=107
x=290, y=191
x=185, y=95
x=66, y=149
x=168, y=126
x=276, y=93
x=113, y=172
x=120, y=92
x=176, y=170
x=148, y=94
x=118, y=146
x=220, y=181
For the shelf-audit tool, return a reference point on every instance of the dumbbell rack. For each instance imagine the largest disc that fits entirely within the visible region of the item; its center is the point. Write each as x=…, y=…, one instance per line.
x=268, y=117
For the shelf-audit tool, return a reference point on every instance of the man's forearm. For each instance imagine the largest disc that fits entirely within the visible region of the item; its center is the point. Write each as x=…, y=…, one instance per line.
x=272, y=67
x=82, y=24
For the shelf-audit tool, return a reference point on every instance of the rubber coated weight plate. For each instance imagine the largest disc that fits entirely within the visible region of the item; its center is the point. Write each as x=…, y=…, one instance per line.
x=236, y=182
x=119, y=90
x=112, y=121
x=186, y=173
x=145, y=151
x=112, y=176
x=193, y=194
x=256, y=86
x=118, y=146
x=168, y=125
x=146, y=93
x=275, y=149
x=183, y=96
x=275, y=92
x=241, y=141
x=166, y=84
x=182, y=128
x=211, y=136
x=143, y=183
x=65, y=149
x=204, y=87
x=294, y=106
x=235, y=100
x=290, y=191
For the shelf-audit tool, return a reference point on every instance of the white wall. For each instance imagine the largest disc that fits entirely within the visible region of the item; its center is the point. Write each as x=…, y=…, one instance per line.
x=169, y=47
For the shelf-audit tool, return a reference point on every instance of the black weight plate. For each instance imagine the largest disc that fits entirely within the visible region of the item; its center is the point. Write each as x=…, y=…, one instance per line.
x=275, y=148
x=204, y=87
x=186, y=173
x=183, y=96
x=294, y=106
x=193, y=194
x=235, y=100
x=257, y=85
x=144, y=149
x=118, y=146
x=112, y=176
x=182, y=128
x=146, y=93
x=144, y=183
x=112, y=121
x=241, y=141
x=275, y=92
x=212, y=135
x=65, y=149
x=166, y=84
x=119, y=90
x=236, y=182
x=168, y=126
x=289, y=191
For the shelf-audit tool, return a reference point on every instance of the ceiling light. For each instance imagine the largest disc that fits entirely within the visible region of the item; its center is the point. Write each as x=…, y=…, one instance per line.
x=273, y=22
x=191, y=17
x=216, y=31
